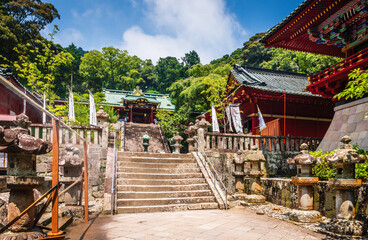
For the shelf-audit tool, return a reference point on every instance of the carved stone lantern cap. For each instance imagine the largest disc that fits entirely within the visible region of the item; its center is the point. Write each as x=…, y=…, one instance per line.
x=203, y=123
x=304, y=158
x=346, y=154
x=102, y=114
x=71, y=156
x=18, y=140
x=238, y=158
x=254, y=155
x=177, y=137
x=192, y=129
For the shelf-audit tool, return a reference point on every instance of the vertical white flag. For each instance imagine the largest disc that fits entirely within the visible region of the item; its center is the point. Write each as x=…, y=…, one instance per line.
x=44, y=107
x=92, y=111
x=71, y=114
x=235, y=114
x=25, y=102
x=215, y=126
x=262, y=124
x=229, y=118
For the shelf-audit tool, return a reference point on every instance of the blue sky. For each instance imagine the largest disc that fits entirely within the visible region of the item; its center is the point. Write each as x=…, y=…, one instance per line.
x=158, y=28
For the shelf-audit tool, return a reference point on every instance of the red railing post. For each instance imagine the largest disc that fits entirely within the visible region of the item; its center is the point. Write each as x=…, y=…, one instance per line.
x=55, y=181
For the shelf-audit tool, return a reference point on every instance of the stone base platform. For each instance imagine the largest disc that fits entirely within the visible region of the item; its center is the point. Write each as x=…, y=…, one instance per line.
x=256, y=199
x=343, y=228
x=305, y=216
x=35, y=234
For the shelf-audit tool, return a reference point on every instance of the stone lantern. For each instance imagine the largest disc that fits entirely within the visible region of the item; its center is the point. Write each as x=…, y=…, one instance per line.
x=203, y=125
x=102, y=116
x=70, y=167
x=177, y=139
x=345, y=159
x=305, y=182
x=191, y=131
x=22, y=178
x=255, y=158
x=239, y=172
x=145, y=143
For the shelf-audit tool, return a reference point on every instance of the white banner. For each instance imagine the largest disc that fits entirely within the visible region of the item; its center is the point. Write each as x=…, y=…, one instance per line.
x=235, y=114
x=215, y=126
x=227, y=109
x=44, y=107
x=262, y=124
x=92, y=111
x=71, y=114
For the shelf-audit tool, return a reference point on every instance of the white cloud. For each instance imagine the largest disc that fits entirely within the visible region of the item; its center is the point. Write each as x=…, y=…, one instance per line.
x=185, y=25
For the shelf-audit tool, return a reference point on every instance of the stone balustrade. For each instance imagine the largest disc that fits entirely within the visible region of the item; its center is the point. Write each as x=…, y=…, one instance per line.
x=226, y=142
x=93, y=135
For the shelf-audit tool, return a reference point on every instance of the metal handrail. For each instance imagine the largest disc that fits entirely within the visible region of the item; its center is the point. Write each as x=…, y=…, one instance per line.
x=124, y=123
x=113, y=180
x=213, y=178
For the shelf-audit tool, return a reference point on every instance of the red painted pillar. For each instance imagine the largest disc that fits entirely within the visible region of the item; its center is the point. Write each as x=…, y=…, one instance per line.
x=131, y=114
x=151, y=116
x=254, y=118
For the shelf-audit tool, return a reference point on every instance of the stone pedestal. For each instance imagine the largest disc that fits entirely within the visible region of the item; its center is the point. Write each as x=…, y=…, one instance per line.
x=177, y=139
x=255, y=158
x=345, y=159
x=191, y=131
x=305, y=182
x=203, y=126
x=70, y=168
x=22, y=178
x=238, y=172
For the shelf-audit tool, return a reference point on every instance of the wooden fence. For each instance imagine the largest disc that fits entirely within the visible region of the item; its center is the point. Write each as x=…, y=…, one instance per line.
x=233, y=142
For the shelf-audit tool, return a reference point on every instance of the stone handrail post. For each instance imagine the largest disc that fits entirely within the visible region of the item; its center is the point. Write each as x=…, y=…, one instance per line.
x=177, y=138
x=203, y=126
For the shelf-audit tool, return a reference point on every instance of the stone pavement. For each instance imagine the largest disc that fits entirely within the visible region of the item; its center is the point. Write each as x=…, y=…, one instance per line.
x=236, y=223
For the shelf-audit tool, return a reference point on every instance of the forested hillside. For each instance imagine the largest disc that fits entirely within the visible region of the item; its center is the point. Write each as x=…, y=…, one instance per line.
x=44, y=66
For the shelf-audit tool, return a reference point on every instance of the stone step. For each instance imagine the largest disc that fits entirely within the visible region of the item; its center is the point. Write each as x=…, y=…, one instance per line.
x=160, y=181
x=167, y=208
x=162, y=188
x=154, y=155
x=164, y=201
x=158, y=175
x=157, y=165
x=175, y=194
x=156, y=160
x=157, y=170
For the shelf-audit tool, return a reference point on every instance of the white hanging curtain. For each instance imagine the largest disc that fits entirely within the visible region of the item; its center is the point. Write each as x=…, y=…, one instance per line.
x=92, y=111
x=215, y=126
x=44, y=107
x=228, y=114
x=71, y=114
x=262, y=124
x=235, y=114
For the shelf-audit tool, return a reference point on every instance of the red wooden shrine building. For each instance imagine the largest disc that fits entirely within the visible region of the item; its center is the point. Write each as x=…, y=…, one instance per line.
x=278, y=94
x=12, y=105
x=335, y=28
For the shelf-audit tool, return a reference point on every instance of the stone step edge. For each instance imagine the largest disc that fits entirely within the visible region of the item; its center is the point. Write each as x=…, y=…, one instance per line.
x=172, y=185
x=158, y=174
x=168, y=205
x=157, y=199
x=193, y=191
x=156, y=180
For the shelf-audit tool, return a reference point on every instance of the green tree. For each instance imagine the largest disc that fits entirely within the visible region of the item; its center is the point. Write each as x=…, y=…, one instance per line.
x=357, y=86
x=92, y=71
x=168, y=71
x=21, y=23
x=41, y=71
x=190, y=59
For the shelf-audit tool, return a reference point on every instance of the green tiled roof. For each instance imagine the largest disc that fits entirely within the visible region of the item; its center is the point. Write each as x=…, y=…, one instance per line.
x=117, y=97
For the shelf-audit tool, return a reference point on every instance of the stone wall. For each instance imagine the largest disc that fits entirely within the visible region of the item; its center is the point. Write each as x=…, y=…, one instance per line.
x=348, y=120
x=282, y=192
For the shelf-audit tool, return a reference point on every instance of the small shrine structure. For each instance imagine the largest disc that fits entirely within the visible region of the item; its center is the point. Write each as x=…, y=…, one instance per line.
x=137, y=106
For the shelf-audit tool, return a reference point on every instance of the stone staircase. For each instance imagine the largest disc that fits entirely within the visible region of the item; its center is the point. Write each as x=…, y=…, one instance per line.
x=151, y=182
x=133, y=138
